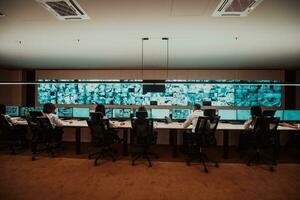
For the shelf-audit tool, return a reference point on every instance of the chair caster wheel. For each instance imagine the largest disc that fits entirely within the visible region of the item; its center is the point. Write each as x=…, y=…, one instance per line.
x=157, y=157
x=272, y=169
x=33, y=158
x=95, y=163
x=89, y=158
x=248, y=164
x=114, y=160
x=150, y=165
x=216, y=165
x=132, y=164
x=205, y=170
x=188, y=164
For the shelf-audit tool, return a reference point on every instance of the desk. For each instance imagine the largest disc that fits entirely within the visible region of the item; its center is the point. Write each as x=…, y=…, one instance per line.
x=173, y=127
x=224, y=127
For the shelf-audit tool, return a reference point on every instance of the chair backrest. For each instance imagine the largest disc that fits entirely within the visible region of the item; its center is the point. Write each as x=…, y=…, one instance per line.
x=141, y=114
x=262, y=130
x=5, y=127
x=95, y=116
x=211, y=113
x=214, y=124
x=41, y=129
x=100, y=131
x=142, y=131
x=201, y=125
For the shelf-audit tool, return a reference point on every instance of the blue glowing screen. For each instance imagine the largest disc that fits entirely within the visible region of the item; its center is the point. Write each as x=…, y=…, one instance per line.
x=174, y=93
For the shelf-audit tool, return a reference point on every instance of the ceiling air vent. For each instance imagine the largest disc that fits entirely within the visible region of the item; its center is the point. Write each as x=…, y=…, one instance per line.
x=235, y=8
x=64, y=9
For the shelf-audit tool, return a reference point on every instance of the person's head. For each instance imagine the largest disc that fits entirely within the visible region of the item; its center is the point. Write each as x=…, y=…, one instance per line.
x=142, y=109
x=2, y=109
x=100, y=108
x=49, y=108
x=197, y=107
x=256, y=111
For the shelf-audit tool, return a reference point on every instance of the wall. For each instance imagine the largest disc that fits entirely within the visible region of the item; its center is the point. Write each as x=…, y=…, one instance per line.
x=298, y=90
x=11, y=94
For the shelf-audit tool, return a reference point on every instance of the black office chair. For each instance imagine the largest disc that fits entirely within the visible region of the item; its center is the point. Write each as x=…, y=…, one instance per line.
x=211, y=113
x=200, y=139
x=101, y=138
x=143, y=136
x=264, y=132
x=42, y=135
x=8, y=135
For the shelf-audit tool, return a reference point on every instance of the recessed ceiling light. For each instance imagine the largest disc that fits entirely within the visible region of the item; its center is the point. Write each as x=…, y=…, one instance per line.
x=2, y=15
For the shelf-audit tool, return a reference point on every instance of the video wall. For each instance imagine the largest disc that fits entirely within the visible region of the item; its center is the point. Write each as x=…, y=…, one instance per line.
x=173, y=93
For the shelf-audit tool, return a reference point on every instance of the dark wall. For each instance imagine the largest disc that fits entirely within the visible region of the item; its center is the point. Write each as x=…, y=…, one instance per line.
x=30, y=89
x=290, y=91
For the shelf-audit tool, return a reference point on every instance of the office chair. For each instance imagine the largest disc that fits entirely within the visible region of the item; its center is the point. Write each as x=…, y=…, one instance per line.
x=8, y=134
x=142, y=130
x=101, y=138
x=211, y=113
x=42, y=134
x=264, y=132
x=200, y=139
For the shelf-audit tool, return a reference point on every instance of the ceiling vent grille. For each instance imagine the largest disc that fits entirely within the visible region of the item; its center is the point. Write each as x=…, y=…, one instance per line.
x=235, y=8
x=64, y=9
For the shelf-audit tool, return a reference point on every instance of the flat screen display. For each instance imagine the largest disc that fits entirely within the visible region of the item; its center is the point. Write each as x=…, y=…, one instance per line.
x=121, y=113
x=109, y=113
x=279, y=114
x=174, y=94
x=12, y=111
x=180, y=113
x=81, y=112
x=291, y=115
x=24, y=111
x=227, y=114
x=65, y=112
x=243, y=115
x=159, y=113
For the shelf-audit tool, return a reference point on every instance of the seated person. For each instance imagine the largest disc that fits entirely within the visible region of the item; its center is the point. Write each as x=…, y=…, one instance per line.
x=142, y=109
x=57, y=124
x=101, y=109
x=245, y=137
x=3, y=112
x=192, y=119
x=20, y=130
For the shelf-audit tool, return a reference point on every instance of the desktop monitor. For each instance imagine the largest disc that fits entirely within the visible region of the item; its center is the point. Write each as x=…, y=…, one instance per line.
x=108, y=113
x=121, y=113
x=24, y=111
x=159, y=113
x=180, y=114
x=227, y=114
x=291, y=115
x=12, y=111
x=243, y=115
x=279, y=114
x=81, y=113
x=65, y=112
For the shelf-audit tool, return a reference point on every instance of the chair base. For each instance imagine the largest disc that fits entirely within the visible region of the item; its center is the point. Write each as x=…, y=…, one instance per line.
x=201, y=157
x=49, y=149
x=144, y=154
x=257, y=158
x=102, y=153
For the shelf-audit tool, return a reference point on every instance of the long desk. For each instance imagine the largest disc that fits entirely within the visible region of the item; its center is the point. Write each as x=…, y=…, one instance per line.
x=173, y=128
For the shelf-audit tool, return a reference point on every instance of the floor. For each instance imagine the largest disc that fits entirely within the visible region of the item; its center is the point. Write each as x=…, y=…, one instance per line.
x=68, y=176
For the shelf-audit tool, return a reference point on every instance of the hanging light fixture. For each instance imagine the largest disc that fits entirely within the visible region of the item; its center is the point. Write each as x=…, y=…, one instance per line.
x=143, y=39
x=167, y=39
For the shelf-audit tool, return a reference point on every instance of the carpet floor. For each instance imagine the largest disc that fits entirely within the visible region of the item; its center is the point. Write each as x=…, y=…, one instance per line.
x=65, y=177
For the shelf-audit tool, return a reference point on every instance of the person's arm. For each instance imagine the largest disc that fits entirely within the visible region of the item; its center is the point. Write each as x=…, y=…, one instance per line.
x=188, y=121
x=58, y=122
x=248, y=123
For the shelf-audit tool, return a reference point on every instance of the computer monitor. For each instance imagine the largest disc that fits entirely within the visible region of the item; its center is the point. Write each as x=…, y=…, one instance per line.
x=291, y=115
x=227, y=114
x=243, y=115
x=159, y=113
x=65, y=112
x=12, y=111
x=24, y=111
x=180, y=114
x=269, y=113
x=279, y=114
x=81, y=113
x=121, y=113
x=109, y=113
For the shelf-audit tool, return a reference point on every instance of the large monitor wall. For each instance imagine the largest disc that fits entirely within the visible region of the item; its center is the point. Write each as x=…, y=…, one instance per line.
x=173, y=93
